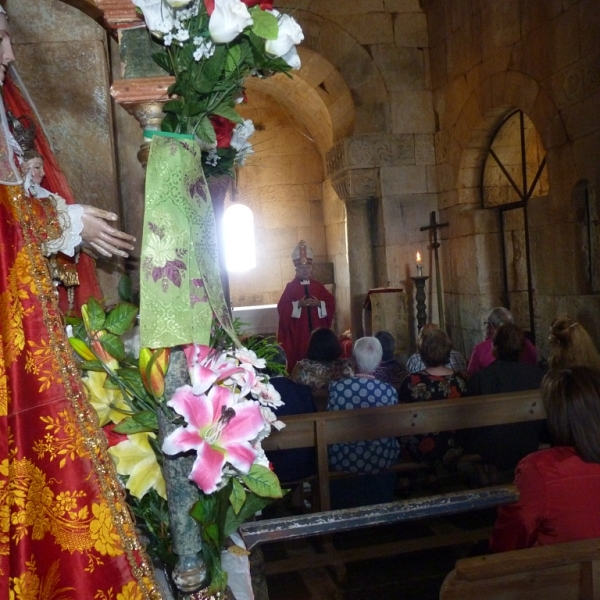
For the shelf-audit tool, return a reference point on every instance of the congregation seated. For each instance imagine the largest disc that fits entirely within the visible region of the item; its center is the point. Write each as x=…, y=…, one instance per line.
x=298, y=463
x=456, y=361
x=571, y=345
x=482, y=354
x=434, y=382
x=367, y=457
x=323, y=363
x=502, y=446
x=559, y=488
x=390, y=370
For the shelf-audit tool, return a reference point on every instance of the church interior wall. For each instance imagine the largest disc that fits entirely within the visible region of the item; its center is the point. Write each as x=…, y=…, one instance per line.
x=62, y=57
x=486, y=58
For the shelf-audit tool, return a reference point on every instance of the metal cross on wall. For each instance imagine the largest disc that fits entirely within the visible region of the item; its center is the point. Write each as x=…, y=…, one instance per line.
x=435, y=244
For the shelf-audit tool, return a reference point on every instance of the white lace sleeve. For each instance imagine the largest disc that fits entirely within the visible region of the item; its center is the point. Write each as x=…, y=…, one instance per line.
x=69, y=216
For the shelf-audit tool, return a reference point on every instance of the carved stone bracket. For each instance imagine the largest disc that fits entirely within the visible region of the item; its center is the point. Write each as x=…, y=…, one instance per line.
x=119, y=13
x=359, y=152
x=356, y=184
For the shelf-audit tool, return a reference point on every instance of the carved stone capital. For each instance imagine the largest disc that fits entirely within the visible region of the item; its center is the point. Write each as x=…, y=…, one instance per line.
x=119, y=13
x=377, y=150
x=356, y=185
x=143, y=98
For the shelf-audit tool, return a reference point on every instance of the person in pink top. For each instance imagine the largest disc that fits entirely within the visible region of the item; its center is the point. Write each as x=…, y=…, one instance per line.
x=483, y=355
x=559, y=488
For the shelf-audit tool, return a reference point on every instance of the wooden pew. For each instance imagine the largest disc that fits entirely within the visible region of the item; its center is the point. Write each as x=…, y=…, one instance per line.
x=324, y=428
x=568, y=571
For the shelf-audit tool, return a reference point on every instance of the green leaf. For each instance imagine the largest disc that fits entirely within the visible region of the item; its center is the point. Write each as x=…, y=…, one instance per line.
x=174, y=106
x=206, y=132
x=228, y=112
x=170, y=123
x=128, y=426
x=218, y=580
x=132, y=380
x=163, y=61
x=92, y=365
x=237, y=496
x=263, y=482
x=113, y=345
x=233, y=58
x=265, y=24
x=213, y=67
x=193, y=108
x=210, y=532
x=252, y=505
x=95, y=314
x=148, y=419
x=121, y=318
x=110, y=383
x=124, y=288
x=204, y=510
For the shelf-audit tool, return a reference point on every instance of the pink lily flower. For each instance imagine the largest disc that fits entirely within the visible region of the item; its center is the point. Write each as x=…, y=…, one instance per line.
x=206, y=367
x=219, y=429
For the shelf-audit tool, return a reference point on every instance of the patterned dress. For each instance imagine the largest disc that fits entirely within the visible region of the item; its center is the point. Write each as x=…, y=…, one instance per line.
x=319, y=374
x=362, y=457
x=432, y=448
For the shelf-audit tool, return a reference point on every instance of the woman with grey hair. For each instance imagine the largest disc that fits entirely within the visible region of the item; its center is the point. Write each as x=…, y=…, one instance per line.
x=483, y=355
x=368, y=458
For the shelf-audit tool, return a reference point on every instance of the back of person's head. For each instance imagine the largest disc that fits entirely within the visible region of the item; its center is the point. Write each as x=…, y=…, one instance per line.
x=572, y=345
x=435, y=347
x=572, y=401
x=498, y=316
x=508, y=342
x=388, y=344
x=425, y=330
x=323, y=345
x=367, y=354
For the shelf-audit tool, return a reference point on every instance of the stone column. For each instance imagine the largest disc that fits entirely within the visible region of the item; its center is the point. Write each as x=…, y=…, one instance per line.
x=358, y=188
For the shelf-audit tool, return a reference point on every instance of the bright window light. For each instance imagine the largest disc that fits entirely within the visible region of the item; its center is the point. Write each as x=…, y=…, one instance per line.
x=238, y=230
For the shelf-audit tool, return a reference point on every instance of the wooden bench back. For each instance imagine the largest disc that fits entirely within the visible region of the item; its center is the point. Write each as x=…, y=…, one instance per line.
x=562, y=571
x=321, y=429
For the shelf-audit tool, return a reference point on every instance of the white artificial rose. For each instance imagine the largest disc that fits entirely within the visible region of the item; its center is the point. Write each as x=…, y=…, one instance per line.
x=228, y=20
x=292, y=58
x=241, y=133
x=290, y=34
x=158, y=16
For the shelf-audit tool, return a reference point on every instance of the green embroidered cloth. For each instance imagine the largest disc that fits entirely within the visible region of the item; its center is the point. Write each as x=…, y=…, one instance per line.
x=180, y=283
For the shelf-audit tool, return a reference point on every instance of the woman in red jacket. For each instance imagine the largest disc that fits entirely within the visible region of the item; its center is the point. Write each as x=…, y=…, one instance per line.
x=559, y=488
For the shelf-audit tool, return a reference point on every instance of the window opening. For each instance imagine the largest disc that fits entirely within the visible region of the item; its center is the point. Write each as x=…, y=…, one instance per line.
x=238, y=235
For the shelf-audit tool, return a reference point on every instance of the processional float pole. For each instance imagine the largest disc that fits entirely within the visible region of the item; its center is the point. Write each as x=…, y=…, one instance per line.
x=435, y=244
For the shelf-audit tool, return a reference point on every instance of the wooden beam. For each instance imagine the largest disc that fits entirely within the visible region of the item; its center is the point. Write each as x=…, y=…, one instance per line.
x=379, y=514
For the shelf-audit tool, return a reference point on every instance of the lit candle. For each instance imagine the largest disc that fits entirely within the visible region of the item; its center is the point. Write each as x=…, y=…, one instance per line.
x=419, y=265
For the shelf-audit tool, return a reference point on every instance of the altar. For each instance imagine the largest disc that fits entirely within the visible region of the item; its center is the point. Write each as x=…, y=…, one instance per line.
x=258, y=320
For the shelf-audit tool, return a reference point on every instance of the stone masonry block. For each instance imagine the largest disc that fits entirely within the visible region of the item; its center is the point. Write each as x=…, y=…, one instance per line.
x=412, y=112
x=371, y=28
x=410, y=30
x=402, y=68
x=403, y=180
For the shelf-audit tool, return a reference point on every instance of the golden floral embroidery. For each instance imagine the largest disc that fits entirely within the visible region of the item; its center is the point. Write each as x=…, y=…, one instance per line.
x=41, y=362
x=130, y=591
x=4, y=391
x=29, y=585
x=31, y=503
x=61, y=439
x=103, y=531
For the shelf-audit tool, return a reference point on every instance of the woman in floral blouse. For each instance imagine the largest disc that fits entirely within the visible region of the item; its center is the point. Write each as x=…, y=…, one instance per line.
x=435, y=382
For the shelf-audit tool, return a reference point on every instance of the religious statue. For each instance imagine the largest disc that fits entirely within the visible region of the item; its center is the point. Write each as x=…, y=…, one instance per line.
x=65, y=529
x=304, y=306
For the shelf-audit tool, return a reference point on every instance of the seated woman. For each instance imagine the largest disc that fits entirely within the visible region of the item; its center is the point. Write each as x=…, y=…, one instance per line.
x=323, y=363
x=435, y=382
x=559, y=488
x=368, y=457
x=390, y=370
x=571, y=345
x=503, y=446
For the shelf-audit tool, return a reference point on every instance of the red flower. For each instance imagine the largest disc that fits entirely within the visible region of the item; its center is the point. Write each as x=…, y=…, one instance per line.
x=223, y=128
x=426, y=445
x=113, y=437
x=264, y=5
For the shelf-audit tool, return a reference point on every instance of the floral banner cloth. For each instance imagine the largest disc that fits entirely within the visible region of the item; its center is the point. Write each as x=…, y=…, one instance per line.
x=180, y=280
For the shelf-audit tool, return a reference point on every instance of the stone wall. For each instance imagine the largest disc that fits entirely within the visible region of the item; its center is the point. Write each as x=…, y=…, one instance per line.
x=488, y=57
x=61, y=55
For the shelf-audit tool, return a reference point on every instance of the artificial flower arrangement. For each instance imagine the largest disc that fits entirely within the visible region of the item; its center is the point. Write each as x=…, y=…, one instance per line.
x=210, y=47
x=222, y=416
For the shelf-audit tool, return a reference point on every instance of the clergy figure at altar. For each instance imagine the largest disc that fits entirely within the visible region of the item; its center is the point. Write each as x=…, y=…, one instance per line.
x=304, y=306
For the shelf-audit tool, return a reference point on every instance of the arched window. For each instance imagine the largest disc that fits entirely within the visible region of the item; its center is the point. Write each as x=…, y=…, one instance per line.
x=238, y=234
x=514, y=174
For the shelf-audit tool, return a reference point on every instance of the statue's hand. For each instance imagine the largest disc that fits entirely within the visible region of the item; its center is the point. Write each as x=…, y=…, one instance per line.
x=100, y=236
